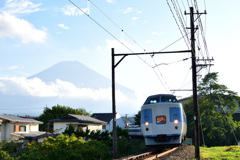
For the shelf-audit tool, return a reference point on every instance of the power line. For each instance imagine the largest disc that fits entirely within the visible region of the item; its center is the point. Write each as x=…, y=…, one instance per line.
x=174, y=42
x=156, y=65
x=177, y=23
x=180, y=17
x=101, y=26
x=115, y=36
x=161, y=75
x=122, y=30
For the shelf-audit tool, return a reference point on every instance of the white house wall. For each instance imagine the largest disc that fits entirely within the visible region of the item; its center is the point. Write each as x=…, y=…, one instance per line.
x=9, y=129
x=34, y=127
x=59, y=127
x=119, y=123
x=3, y=131
x=94, y=127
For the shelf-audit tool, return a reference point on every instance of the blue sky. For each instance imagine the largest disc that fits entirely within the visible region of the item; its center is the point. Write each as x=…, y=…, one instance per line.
x=36, y=34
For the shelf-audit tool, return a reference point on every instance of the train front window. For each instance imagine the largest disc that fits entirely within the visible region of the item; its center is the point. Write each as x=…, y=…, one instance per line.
x=152, y=100
x=169, y=99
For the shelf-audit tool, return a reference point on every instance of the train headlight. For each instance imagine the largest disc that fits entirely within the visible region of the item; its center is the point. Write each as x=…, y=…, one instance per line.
x=175, y=121
x=146, y=123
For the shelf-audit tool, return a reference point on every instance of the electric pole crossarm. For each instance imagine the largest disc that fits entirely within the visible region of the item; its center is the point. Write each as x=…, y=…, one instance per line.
x=119, y=61
x=174, y=90
x=151, y=53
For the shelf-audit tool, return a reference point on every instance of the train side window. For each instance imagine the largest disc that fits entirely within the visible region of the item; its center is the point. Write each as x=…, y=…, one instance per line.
x=161, y=119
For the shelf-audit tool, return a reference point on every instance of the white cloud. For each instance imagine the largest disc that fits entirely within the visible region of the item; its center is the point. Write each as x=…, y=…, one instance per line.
x=63, y=26
x=13, y=27
x=129, y=9
x=110, y=1
x=99, y=48
x=134, y=18
x=10, y=68
x=21, y=7
x=71, y=10
x=148, y=41
x=13, y=67
x=37, y=88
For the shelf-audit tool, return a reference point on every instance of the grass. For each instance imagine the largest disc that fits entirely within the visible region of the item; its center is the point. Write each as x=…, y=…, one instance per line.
x=225, y=152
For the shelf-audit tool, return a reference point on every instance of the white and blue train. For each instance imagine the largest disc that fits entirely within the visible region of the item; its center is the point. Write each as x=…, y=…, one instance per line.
x=163, y=121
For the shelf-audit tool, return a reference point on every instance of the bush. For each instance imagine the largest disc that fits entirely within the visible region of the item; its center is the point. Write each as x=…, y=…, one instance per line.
x=66, y=147
x=5, y=156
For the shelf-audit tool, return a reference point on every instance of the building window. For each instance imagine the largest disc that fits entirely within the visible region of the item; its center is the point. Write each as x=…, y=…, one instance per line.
x=20, y=128
x=103, y=126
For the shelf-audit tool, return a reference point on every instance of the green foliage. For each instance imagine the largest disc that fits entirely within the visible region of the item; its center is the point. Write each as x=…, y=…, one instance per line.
x=58, y=112
x=10, y=149
x=73, y=147
x=92, y=135
x=122, y=132
x=216, y=106
x=130, y=147
x=69, y=130
x=227, y=153
x=137, y=118
x=4, y=155
x=66, y=147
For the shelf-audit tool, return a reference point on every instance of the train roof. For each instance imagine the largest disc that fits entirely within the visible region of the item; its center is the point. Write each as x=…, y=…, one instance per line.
x=162, y=95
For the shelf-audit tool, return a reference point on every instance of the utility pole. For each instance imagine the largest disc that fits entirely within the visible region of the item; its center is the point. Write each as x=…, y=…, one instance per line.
x=114, y=108
x=194, y=79
x=194, y=84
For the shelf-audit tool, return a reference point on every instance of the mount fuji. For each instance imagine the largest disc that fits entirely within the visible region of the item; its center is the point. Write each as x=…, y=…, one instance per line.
x=68, y=83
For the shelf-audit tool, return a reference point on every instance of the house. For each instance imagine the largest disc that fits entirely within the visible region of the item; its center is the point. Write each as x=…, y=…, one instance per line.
x=108, y=118
x=15, y=128
x=78, y=121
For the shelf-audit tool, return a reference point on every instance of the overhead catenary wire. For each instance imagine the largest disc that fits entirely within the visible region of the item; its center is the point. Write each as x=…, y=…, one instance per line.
x=177, y=10
x=177, y=23
x=122, y=30
x=114, y=36
x=174, y=42
x=156, y=65
x=180, y=18
x=108, y=31
x=165, y=83
x=101, y=26
x=201, y=28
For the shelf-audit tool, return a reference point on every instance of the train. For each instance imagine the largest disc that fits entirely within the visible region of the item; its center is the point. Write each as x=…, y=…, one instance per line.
x=163, y=121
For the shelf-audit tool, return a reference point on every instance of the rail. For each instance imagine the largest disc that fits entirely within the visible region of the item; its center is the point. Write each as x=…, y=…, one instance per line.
x=149, y=155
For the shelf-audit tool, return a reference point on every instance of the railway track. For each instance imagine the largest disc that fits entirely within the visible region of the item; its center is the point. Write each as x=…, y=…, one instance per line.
x=151, y=155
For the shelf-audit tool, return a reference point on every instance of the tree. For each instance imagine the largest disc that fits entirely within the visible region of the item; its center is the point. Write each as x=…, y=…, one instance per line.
x=216, y=105
x=58, y=112
x=66, y=147
x=137, y=118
